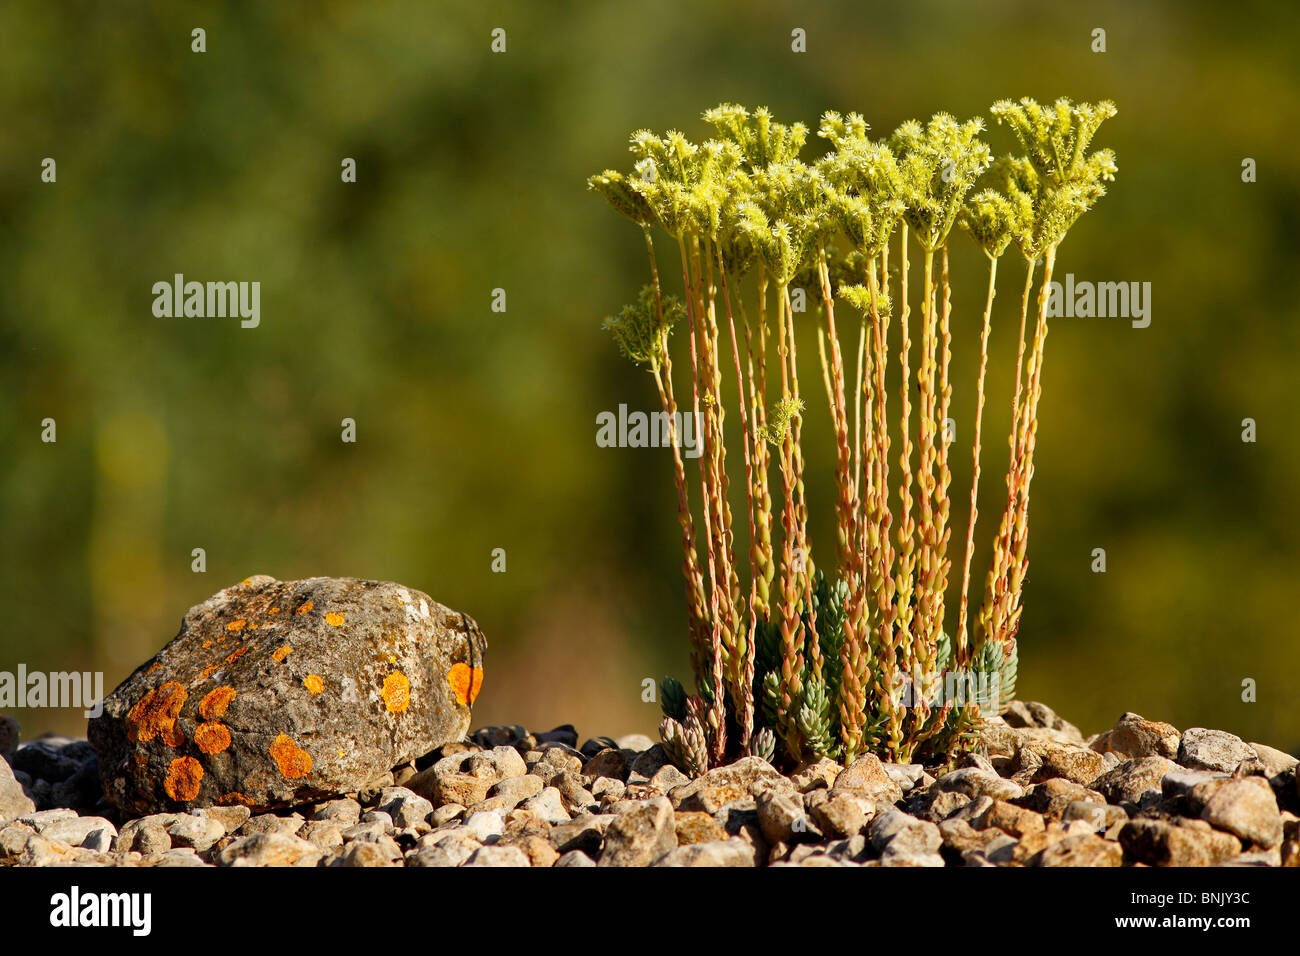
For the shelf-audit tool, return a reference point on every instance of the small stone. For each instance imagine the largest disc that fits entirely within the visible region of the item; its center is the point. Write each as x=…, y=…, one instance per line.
x=515, y=790
x=269, y=849
x=607, y=763
x=961, y=838
x=1274, y=761
x=194, y=832
x=782, y=819
x=548, y=805
x=1077, y=764
x=637, y=743
x=230, y=818
x=935, y=804
x=1080, y=849
x=1135, y=737
x=325, y=834
x=575, y=858
x=867, y=775
x=668, y=777
x=607, y=790
x=1134, y=781
x=895, y=831
x=14, y=802
x=362, y=854
x=186, y=857
x=537, y=848
x=498, y=856
x=907, y=775
x=1247, y=808
x=1051, y=797
x=975, y=782
x=445, y=814
x=1011, y=819
x=720, y=786
x=344, y=811
x=486, y=826
x=730, y=853
x=565, y=734
x=843, y=814
x=646, y=764
x=367, y=831
x=814, y=775
x=92, y=833
x=405, y=807
x=1181, y=783
x=640, y=836
x=1161, y=843
x=585, y=832
x=1202, y=749
x=695, y=826
x=270, y=823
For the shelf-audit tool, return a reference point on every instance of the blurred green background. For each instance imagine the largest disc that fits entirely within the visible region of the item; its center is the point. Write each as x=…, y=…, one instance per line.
x=476, y=429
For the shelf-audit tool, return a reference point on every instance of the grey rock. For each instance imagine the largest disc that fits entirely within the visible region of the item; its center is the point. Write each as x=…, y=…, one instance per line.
x=548, y=805
x=370, y=680
x=896, y=832
x=92, y=833
x=720, y=786
x=230, y=818
x=269, y=849
x=405, y=807
x=640, y=836
x=977, y=783
x=1247, y=808
x=195, y=832
x=498, y=856
x=732, y=852
x=344, y=811
x=1202, y=749
x=1135, y=780
x=575, y=858
x=1135, y=737
x=14, y=802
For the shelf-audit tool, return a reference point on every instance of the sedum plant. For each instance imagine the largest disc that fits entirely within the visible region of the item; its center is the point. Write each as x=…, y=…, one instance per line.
x=792, y=660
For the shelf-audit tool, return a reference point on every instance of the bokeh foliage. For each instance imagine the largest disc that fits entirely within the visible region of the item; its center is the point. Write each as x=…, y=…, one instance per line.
x=476, y=429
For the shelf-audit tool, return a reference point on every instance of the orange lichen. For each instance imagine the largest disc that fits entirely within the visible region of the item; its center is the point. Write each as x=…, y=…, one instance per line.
x=212, y=737
x=274, y=610
x=293, y=761
x=215, y=703
x=209, y=671
x=281, y=653
x=465, y=682
x=304, y=607
x=184, y=775
x=397, y=693
x=313, y=683
x=156, y=712
x=236, y=654
x=173, y=736
x=334, y=619
x=233, y=798
x=236, y=625
x=155, y=666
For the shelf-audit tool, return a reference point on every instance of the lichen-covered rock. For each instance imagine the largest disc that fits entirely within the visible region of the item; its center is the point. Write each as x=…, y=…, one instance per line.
x=281, y=692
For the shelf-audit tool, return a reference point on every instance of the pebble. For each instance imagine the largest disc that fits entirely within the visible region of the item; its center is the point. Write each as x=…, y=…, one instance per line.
x=1033, y=794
